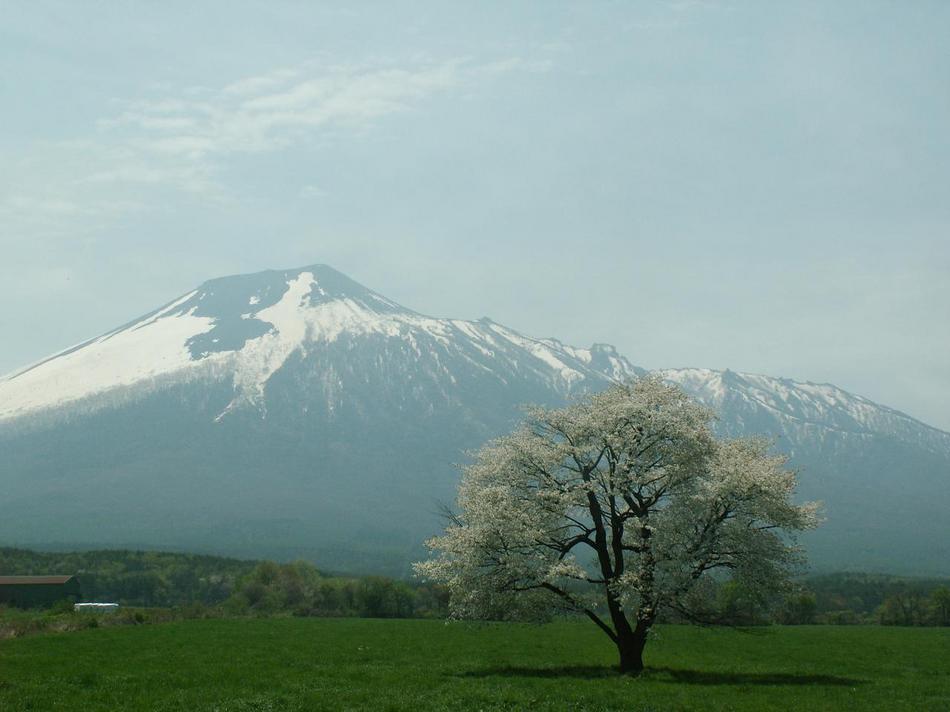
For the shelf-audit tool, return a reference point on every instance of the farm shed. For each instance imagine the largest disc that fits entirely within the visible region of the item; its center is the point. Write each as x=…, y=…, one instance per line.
x=35, y=591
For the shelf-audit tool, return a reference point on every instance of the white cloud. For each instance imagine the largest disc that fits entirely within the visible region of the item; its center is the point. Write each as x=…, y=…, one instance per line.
x=275, y=110
x=250, y=86
x=180, y=141
x=313, y=192
x=516, y=64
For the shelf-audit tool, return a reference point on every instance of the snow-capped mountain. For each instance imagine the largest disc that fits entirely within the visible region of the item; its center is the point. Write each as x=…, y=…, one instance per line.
x=299, y=414
x=245, y=329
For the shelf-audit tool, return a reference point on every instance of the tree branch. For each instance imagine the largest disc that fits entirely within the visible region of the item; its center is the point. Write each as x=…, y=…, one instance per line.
x=589, y=613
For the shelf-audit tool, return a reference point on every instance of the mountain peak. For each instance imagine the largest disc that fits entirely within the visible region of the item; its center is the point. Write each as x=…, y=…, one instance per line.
x=235, y=294
x=244, y=329
x=247, y=307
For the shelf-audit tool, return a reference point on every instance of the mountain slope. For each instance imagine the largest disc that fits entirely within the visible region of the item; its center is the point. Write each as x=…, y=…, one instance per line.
x=279, y=414
x=884, y=477
x=299, y=414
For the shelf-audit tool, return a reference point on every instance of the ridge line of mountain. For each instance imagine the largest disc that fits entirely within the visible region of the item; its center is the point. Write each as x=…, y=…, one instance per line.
x=344, y=288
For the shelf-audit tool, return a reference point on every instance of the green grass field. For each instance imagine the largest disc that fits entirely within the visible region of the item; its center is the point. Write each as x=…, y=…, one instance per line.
x=317, y=664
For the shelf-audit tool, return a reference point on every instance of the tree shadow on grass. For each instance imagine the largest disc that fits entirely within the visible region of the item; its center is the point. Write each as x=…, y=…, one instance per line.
x=708, y=677
x=671, y=675
x=579, y=671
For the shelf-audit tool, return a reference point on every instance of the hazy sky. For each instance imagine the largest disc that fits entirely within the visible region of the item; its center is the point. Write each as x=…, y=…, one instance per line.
x=759, y=186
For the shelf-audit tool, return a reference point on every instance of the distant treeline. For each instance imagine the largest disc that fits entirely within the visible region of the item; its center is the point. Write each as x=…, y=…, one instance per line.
x=136, y=578
x=889, y=600
x=837, y=599
x=233, y=586
x=298, y=588
x=170, y=580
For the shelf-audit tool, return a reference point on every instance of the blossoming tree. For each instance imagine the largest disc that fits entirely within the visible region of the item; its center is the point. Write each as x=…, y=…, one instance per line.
x=616, y=508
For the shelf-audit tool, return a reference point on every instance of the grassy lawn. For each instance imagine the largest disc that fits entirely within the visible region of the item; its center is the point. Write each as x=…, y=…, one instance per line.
x=316, y=664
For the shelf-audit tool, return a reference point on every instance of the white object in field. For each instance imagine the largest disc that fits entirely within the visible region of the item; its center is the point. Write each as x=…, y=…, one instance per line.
x=96, y=607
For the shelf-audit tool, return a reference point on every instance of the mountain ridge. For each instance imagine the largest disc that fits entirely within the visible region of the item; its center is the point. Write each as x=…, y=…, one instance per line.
x=245, y=417
x=682, y=377
x=250, y=315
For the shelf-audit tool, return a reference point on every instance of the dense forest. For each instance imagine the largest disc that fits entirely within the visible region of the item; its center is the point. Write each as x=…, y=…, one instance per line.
x=232, y=586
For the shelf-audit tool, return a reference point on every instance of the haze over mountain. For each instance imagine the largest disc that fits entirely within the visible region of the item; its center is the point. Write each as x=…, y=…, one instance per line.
x=299, y=414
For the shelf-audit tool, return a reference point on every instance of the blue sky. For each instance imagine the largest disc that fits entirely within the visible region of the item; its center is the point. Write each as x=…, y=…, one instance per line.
x=758, y=186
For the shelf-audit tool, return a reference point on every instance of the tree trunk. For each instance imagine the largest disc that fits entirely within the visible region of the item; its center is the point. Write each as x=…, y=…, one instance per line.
x=630, y=647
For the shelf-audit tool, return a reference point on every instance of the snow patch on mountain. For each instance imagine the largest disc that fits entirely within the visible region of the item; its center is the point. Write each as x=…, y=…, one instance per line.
x=541, y=351
x=141, y=352
x=806, y=407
